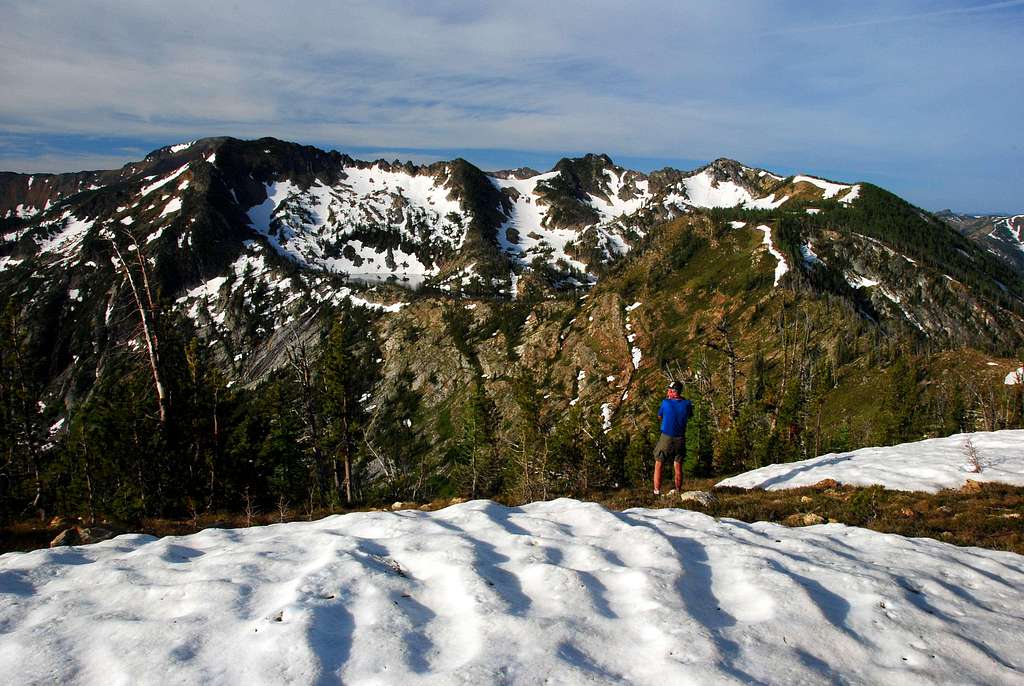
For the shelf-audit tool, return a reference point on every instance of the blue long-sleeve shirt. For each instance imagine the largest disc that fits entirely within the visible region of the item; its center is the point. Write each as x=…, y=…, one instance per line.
x=674, y=413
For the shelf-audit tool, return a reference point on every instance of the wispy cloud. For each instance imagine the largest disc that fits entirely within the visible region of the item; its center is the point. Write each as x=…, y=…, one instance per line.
x=899, y=18
x=930, y=90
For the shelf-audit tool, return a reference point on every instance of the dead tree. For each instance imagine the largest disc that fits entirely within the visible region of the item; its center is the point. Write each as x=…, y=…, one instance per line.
x=145, y=306
x=733, y=358
x=298, y=360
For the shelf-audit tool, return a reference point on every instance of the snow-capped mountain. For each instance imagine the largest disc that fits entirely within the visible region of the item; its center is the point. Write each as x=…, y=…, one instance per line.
x=331, y=213
x=254, y=241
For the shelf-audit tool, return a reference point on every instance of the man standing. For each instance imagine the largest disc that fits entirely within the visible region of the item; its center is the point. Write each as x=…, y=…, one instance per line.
x=674, y=412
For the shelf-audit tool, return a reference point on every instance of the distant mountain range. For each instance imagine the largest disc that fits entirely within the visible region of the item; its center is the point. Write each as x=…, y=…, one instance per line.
x=1003, y=235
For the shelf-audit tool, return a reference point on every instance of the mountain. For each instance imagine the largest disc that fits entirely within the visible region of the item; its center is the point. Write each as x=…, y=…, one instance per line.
x=1003, y=236
x=469, y=318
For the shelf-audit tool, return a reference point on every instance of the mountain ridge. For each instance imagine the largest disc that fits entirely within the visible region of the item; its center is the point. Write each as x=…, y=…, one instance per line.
x=517, y=301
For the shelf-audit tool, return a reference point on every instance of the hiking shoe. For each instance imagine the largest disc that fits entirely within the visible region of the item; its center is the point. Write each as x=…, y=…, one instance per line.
x=657, y=492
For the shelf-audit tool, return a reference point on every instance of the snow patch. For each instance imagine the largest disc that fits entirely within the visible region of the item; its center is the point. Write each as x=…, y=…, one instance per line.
x=637, y=355
x=173, y=206
x=182, y=146
x=857, y=281
x=780, y=268
x=146, y=190
x=929, y=465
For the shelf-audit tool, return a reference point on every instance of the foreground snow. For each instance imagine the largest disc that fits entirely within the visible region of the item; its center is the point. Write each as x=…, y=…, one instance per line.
x=563, y=592
x=922, y=466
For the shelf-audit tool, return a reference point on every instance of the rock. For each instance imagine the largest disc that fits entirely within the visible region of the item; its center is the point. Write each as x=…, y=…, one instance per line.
x=70, y=536
x=398, y=505
x=971, y=486
x=806, y=499
x=702, y=497
x=95, y=534
x=1011, y=515
x=826, y=483
x=808, y=519
x=426, y=508
x=907, y=512
x=946, y=535
x=456, y=501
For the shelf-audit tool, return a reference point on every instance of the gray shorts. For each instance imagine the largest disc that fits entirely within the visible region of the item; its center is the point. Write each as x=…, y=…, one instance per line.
x=670, y=448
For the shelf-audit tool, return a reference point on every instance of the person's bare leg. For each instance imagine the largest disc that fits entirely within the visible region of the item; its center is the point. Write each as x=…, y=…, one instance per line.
x=678, y=475
x=657, y=476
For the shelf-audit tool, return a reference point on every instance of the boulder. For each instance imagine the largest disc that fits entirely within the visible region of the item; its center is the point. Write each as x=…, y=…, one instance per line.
x=806, y=499
x=95, y=534
x=971, y=486
x=702, y=497
x=398, y=505
x=826, y=483
x=72, y=536
x=807, y=519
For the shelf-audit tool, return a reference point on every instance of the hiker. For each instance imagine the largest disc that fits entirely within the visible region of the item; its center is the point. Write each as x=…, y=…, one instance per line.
x=674, y=412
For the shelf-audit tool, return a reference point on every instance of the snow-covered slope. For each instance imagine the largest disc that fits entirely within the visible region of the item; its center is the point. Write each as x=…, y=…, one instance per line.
x=589, y=211
x=559, y=592
x=922, y=466
x=372, y=222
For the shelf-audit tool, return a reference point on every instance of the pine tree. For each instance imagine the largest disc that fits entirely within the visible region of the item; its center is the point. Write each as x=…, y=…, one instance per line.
x=22, y=430
x=346, y=379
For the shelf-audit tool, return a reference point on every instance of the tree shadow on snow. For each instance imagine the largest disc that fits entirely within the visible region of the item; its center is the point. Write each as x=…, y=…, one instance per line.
x=806, y=468
x=329, y=634
x=695, y=589
x=16, y=583
x=487, y=561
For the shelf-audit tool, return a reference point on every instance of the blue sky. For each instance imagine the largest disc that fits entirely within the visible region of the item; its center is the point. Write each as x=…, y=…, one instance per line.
x=923, y=98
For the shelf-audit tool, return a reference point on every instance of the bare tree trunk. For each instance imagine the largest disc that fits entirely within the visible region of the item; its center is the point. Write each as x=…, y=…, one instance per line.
x=730, y=353
x=147, y=333
x=299, y=360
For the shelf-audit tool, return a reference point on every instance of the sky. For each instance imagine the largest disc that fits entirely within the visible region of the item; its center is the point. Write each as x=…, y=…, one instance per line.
x=924, y=98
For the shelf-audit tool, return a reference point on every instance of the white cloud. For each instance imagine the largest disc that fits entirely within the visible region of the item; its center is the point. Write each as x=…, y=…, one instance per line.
x=835, y=86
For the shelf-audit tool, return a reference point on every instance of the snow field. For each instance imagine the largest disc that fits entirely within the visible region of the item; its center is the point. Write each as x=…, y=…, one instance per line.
x=527, y=217
x=561, y=592
x=929, y=466
x=367, y=197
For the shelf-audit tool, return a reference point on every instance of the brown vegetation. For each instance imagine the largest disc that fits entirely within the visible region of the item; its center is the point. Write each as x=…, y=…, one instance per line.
x=987, y=515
